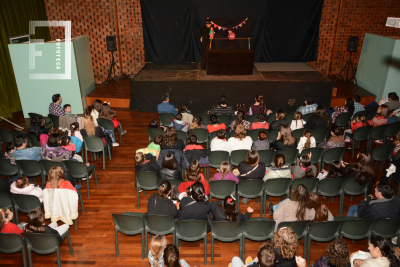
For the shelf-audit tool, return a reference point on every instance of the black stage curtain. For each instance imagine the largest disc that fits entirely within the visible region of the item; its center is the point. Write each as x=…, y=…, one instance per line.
x=282, y=31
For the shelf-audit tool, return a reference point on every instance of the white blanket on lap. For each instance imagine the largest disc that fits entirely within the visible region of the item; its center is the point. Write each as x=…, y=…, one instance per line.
x=60, y=204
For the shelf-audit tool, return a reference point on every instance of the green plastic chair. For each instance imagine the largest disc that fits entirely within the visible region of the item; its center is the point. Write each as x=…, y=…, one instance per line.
x=175, y=182
x=205, y=117
x=95, y=144
x=290, y=116
x=310, y=183
x=298, y=134
x=226, y=232
x=109, y=125
x=391, y=131
x=257, y=229
x=322, y=232
x=16, y=132
x=254, y=133
x=215, y=158
x=343, y=120
x=238, y=156
x=33, y=140
x=316, y=155
x=267, y=156
x=191, y=230
x=361, y=113
x=250, y=188
x=47, y=164
x=301, y=230
x=158, y=225
x=396, y=180
x=166, y=119
x=272, y=135
x=6, y=136
x=356, y=229
x=153, y=132
x=376, y=133
x=145, y=180
x=12, y=243
x=271, y=117
x=45, y=244
x=130, y=223
x=290, y=155
x=331, y=154
x=6, y=203
x=308, y=116
x=387, y=228
x=7, y=169
x=359, y=135
x=25, y=204
x=55, y=120
x=31, y=168
x=382, y=153
x=79, y=170
x=371, y=112
x=320, y=134
x=226, y=119
x=202, y=136
x=222, y=188
x=331, y=187
x=182, y=135
x=352, y=188
x=253, y=118
x=276, y=188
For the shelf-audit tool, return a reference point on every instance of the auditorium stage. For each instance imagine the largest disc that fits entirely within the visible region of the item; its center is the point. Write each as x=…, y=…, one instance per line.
x=186, y=83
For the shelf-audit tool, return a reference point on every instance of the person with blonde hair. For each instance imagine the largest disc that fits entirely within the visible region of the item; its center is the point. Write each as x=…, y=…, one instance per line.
x=381, y=118
x=156, y=253
x=92, y=130
x=285, y=139
x=56, y=179
x=225, y=173
x=240, y=140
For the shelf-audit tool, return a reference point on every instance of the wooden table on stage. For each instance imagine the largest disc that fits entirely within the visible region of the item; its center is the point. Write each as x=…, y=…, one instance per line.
x=230, y=62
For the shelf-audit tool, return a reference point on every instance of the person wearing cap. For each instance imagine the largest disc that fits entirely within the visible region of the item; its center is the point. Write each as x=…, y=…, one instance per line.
x=205, y=41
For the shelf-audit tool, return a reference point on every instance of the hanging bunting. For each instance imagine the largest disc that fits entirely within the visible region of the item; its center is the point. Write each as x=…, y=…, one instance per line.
x=235, y=27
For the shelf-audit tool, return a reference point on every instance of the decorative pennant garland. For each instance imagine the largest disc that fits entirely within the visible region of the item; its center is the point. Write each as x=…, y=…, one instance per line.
x=235, y=27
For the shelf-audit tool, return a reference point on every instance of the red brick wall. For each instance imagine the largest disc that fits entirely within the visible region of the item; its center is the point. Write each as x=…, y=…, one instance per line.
x=96, y=18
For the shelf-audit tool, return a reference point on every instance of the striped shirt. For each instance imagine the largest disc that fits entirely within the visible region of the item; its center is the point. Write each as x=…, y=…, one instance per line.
x=219, y=110
x=378, y=120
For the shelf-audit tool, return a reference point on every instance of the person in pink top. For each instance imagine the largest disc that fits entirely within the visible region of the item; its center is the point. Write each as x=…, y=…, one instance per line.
x=66, y=143
x=22, y=186
x=75, y=131
x=225, y=173
x=260, y=123
x=381, y=118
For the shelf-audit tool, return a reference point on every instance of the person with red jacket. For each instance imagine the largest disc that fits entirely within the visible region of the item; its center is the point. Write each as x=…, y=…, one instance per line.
x=193, y=175
x=6, y=226
x=355, y=124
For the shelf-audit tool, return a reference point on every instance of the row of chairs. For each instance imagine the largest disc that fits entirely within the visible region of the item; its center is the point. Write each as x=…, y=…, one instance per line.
x=255, y=229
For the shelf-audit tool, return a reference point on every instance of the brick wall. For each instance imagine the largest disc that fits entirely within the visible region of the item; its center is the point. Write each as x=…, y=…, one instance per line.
x=96, y=18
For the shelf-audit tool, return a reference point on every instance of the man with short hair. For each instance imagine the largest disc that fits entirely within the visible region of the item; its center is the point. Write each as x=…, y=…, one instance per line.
x=55, y=107
x=22, y=152
x=166, y=107
x=310, y=106
x=357, y=106
x=223, y=108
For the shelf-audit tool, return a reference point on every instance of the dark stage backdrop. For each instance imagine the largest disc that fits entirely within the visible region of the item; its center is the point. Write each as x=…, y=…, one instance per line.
x=282, y=31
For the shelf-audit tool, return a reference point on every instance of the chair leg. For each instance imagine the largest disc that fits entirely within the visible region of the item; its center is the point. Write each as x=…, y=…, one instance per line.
x=205, y=250
x=238, y=202
x=265, y=205
x=86, y=156
x=88, y=186
x=352, y=148
x=81, y=200
x=137, y=196
x=16, y=215
x=142, y=245
x=116, y=244
x=146, y=243
x=76, y=224
x=308, y=250
x=29, y=257
x=212, y=250
x=95, y=175
x=305, y=247
x=58, y=258
x=104, y=160
x=383, y=162
x=261, y=205
x=120, y=135
x=71, y=249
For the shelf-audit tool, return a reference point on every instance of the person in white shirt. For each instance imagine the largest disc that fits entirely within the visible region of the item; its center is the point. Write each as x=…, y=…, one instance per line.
x=219, y=143
x=307, y=141
x=240, y=140
x=94, y=110
x=298, y=121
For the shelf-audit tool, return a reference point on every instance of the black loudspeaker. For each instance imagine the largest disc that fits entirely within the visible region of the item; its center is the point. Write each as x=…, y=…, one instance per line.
x=352, y=44
x=111, y=43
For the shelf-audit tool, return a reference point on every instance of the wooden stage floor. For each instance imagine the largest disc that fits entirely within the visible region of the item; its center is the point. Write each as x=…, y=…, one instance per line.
x=93, y=241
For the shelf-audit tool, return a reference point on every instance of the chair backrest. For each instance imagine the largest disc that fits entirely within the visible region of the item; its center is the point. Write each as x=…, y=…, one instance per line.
x=361, y=113
x=6, y=136
x=128, y=224
x=387, y=228
x=259, y=229
x=254, y=133
x=308, y=116
x=47, y=164
x=11, y=243
x=351, y=187
x=298, y=134
x=356, y=229
x=205, y=117
x=33, y=140
x=226, y=231
x=26, y=203
x=267, y=156
x=106, y=123
x=222, y=188
x=6, y=168
x=153, y=132
x=271, y=117
x=76, y=169
x=371, y=112
x=333, y=153
x=277, y=187
x=250, y=188
x=226, y=119
x=41, y=243
x=201, y=134
x=29, y=167
x=6, y=202
x=377, y=132
x=324, y=231
x=175, y=182
x=190, y=229
x=159, y=223
x=93, y=144
x=392, y=129
x=290, y=116
x=299, y=227
x=216, y=157
x=310, y=183
x=320, y=134
x=273, y=134
x=253, y=118
x=290, y=155
x=383, y=152
x=330, y=186
x=166, y=118
x=146, y=180
x=182, y=135
x=316, y=154
x=55, y=120
x=343, y=119
x=238, y=156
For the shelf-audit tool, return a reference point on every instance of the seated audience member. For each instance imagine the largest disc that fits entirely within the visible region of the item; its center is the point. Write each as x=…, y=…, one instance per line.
x=306, y=141
x=297, y=209
x=251, y=168
x=146, y=162
x=160, y=204
x=285, y=139
x=278, y=169
x=219, y=143
x=156, y=252
x=336, y=111
x=291, y=105
x=310, y=106
x=68, y=145
x=280, y=120
x=396, y=142
x=262, y=143
x=22, y=152
x=22, y=186
x=258, y=106
x=156, y=144
x=320, y=120
x=322, y=213
x=106, y=112
x=225, y=173
x=222, y=108
x=306, y=169
x=9, y=154
x=240, y=140
x=36, y=225
x=74, y=127
x=193, y=143
x=171, y=141
x=197, y=123
x=94, y=111
x=337, y=254
x=285, y=244
x=380, y=254
x=393, y=101
x=260, y=123
x=381, y=118
x=240, y=119
x=166, y=107
x=91, y=130
x=225, y=210
x=179, y=124
x=171, y=257
x=335, y=170
x=55, y=107
x=194, y=205
x=57, y=179
x=186, y=115
x=214, y=126
x=357, y=106
x=154, y=124
x=53, y=151
x=266, y=257
x=67, y=110
x=336, y=139
x=38, y=127
x=193, y=175
x=240, y=107
x=169, y=169
x=6, y=225
x=385, y=204
x=298, y=122
x=355, y=124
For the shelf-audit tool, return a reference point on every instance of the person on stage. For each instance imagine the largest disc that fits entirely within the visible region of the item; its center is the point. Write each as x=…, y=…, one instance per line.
x=231, y=35
x=207, y=33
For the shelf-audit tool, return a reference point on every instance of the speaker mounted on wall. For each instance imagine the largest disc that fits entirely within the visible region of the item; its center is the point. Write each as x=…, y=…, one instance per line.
x=352, y=44
x=111, y=43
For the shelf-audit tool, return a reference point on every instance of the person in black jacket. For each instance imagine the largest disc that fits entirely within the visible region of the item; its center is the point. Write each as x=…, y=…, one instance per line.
x=225, y=210
x=285, y=139
x=145, y=162
x=38, y=127
x=321, y=120
x=169, y=169
x=280, y=121
x=36, y=225
x=160, y=203
x=251, y=168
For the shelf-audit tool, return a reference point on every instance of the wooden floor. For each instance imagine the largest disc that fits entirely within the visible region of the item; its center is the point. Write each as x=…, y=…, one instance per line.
x=93, y=242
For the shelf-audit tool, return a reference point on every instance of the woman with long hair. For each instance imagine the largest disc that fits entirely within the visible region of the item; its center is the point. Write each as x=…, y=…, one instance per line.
x=348, y=107
x=159, y=203
x=156, y=253
x=280, y=120
x=171, y=257
x=320, y=120
x=322, y=213
x=240, y=140
x=225, y=173
x=192, y=176
x=57, y=179
x=279, y=169
x=335, y=170
x=240, y=119
x=258, y=106
x=225, y=210
x=169, y=168
x=306, y=141
x=251, y=168
x=285, y=139
x=171, y=141
x=363, y=169
x=305, y=169
x=92, y=130
x=337, y=255
x=381, y=118
x=94, y=110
